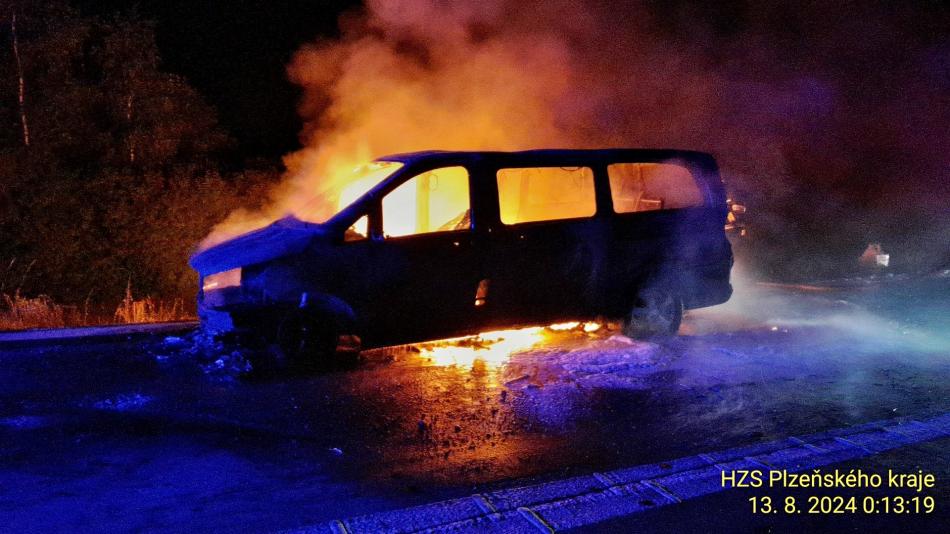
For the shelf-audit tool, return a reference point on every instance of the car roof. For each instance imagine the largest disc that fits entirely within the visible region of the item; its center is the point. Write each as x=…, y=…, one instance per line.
x=540, y=156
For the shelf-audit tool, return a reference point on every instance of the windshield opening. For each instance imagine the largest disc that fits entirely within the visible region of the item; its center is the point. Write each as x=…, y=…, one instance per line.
x=344, y=189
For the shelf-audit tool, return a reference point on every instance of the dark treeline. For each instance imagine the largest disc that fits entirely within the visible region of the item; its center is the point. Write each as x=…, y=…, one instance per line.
x=110, y=168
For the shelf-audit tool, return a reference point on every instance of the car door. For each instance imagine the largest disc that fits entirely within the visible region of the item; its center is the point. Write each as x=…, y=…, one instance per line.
x=659, y=229
x=547, y=245
x=426, y=267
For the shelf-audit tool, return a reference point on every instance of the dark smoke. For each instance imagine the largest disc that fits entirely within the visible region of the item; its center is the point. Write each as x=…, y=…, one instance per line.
x=830, y=120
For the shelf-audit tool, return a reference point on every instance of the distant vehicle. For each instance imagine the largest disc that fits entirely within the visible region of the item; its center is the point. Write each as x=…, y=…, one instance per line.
x=453, y=243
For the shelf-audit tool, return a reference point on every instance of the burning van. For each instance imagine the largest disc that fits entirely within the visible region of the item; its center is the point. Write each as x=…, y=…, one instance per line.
x=452, y=243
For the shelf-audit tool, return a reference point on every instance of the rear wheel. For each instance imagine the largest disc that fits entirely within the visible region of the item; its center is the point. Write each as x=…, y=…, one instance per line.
x=657, y=312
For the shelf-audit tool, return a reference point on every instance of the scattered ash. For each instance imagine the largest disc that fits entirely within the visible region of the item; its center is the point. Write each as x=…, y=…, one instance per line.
x=123, y=402
x=219, y=357
x=615, y=362
x=24, y=422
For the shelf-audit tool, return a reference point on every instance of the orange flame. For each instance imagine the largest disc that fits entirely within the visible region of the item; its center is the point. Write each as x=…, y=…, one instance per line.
x=495, y=348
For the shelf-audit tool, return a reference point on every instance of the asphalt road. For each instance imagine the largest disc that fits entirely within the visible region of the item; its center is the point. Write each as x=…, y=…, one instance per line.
x=165, y=435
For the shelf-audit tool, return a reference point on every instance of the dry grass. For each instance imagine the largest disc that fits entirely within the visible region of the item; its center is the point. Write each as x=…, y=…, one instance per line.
x=147, y=310
x=40, y=312
x=21, y=313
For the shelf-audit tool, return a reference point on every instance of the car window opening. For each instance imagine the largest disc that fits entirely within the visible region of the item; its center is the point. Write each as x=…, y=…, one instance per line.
x=358, y=231
x=435, y=201
x=534, y=194
x=638, y=187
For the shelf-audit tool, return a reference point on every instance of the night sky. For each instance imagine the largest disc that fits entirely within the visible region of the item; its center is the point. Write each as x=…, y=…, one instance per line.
x=235, y=52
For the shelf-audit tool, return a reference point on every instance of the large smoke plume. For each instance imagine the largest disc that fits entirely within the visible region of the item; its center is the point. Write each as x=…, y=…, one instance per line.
x=831, y=122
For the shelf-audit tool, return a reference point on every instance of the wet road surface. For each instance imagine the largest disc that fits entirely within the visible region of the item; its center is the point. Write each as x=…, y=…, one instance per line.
x=164, y=434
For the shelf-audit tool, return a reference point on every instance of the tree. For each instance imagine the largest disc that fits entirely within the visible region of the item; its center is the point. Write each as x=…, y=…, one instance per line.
x=21, y=86
x=115, y=172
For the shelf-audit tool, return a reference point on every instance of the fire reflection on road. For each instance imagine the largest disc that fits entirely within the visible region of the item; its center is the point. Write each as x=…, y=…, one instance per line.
x=454, y=408
x=582, y=395
x=494, y=349
x=501, y=404
x=491, y=349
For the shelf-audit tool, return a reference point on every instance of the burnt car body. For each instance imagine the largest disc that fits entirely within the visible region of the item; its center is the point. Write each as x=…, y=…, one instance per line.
x=535, y=237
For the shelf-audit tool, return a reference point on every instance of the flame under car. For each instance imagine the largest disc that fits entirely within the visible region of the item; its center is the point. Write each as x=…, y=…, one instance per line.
x=453, y=243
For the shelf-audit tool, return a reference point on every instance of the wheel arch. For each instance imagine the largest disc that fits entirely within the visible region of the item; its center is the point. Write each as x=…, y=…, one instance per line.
x=329, y=306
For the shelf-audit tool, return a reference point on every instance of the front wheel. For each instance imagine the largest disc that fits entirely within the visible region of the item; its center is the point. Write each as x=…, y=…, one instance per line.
x=307, y=340
x=658, y=312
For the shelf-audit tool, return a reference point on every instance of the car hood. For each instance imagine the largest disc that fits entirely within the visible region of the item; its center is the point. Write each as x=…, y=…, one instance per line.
x=285, y=236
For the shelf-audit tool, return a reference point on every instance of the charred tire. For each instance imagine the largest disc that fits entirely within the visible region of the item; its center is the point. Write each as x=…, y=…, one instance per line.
x=307, y=340
x=657, y=312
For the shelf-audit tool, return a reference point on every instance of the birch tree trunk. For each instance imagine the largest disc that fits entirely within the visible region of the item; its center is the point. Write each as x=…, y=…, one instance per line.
x=22, y=86
x=128, y=117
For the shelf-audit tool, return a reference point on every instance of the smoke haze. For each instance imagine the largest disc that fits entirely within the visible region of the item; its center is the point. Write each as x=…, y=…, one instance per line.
x=830, y=122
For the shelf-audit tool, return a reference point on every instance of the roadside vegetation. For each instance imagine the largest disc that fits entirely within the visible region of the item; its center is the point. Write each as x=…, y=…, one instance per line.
x=111, y=169
x=20, y=313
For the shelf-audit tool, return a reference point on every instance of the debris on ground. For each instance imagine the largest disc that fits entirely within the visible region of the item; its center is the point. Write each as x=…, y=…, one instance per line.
x=123, y=403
